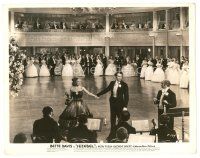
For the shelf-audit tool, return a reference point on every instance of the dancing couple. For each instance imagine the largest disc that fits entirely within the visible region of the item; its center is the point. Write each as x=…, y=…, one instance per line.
x=75, y=106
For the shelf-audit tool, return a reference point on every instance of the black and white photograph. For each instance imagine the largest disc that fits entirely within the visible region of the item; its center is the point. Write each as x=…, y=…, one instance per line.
x=101, y=75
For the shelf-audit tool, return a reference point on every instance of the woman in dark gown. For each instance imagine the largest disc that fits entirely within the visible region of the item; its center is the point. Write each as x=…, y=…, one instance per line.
x=75, y=105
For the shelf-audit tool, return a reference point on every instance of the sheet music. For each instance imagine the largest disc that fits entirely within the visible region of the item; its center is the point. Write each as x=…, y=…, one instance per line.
x=141, y=138
x=94, y=124
x=141, y=125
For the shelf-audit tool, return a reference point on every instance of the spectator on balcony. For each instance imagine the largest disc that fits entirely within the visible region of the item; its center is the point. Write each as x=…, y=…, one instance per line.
x=80, y=26
x=99, y=26
x=115, y=25
x=55, y=26
x=19, y=24
x=133, y=26
x=37, y=24
x=25, y=26
x=140, y=26
x=46, y=25
x=124, y=25
x=63, y=25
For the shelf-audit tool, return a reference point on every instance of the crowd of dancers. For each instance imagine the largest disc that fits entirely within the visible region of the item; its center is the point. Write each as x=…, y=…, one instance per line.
x=155, y=70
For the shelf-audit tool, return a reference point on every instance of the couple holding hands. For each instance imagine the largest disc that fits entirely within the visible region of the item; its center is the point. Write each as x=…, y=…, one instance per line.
x=75, y=106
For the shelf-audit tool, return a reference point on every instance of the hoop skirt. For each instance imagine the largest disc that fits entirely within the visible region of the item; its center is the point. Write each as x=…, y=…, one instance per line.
x=142, y=74
x=110, y=70
x=31, y=71
x=44, y=71
x=98, y=70
x=174, y=75
x=74, y=108
x=149, y=73
x=184, y=79
x=128, y=70
x=158, y=75
x=58, y=69
x=67, y=70
x=77, y=69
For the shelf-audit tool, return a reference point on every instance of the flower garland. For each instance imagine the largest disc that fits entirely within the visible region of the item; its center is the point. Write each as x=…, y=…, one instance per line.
x=16, y=68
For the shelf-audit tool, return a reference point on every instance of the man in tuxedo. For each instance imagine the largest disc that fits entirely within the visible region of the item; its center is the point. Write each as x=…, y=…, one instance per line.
x=118, y=100
x=63, y=57
x=52, y=65
x=104, y=61
x=165, y=99
x=87, y=64
x=163, y=62
x=118, y=62
x=154, y=61
x=139, y=64
x=46, y=129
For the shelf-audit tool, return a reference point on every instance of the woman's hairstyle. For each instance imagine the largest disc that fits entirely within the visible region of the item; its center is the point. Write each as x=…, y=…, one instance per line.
x=74, y=81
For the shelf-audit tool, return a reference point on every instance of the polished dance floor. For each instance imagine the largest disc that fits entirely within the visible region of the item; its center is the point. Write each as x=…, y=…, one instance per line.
x=39, y=92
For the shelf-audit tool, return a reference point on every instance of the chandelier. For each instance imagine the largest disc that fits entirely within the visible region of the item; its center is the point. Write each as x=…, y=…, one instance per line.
x=93, y=10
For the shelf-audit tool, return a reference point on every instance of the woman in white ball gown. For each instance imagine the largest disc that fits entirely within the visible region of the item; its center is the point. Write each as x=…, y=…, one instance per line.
x=174, y=74
x=77, y=69
x=134, y=64
x=31, y=70
x=169, y=68
x=149, y=71
x=37, y=65
x=184, y=79
x=44, y=71
x=128, y=69
x=158, y=75
x=67, y=69
x=58, y=67
x=144, y=67
x=111, y=68
x=98, y=71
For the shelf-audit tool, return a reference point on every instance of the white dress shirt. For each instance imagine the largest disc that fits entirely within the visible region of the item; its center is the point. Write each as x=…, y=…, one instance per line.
x=164, y=91
x=117, y=83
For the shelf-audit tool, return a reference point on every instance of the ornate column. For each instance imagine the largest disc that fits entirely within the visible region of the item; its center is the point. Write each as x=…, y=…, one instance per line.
x=107, y=36
x=155, y=21
x=167, y=28
x=34, y=51
x=182, y=18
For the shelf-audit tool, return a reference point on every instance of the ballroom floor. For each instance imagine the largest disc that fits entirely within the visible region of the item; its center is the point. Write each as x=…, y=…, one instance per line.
x=39, y=92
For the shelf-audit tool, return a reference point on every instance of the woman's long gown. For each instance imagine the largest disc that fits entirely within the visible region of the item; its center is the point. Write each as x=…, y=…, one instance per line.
x=149, y=71
x=128, y=70
x=74, y=108
x=144, y=67
x=158, y=75
x=44, y=71
x=37, y=65
x=184, y=79
x=111, y=68
x=67, y=69
x=174, y=74
x=98, y=71
x=58, y=68
x=31, y=70
x=168, y=70
x=77, y=68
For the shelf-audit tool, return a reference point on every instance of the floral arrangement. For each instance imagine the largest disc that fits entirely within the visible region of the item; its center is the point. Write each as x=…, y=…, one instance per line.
x=16, y=67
